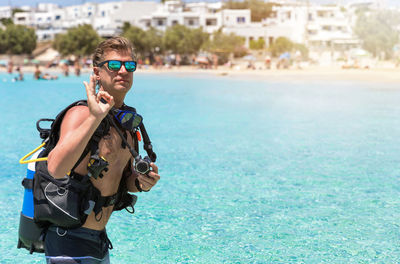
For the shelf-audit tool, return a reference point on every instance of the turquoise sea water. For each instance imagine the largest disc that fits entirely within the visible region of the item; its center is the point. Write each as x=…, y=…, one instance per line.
x=252, y=172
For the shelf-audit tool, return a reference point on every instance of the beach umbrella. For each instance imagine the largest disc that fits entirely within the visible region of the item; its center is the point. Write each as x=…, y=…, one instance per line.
x=285, y=55
x=202, y=59
x=359, y=53
x=249, y=57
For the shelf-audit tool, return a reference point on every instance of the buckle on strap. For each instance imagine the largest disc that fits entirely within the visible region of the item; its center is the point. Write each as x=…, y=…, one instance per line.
x=27, y=183
x=108, y=200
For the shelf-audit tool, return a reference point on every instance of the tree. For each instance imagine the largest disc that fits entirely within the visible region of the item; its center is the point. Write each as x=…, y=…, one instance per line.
x=154, y=40
x=125, y=27
x=3, y=43
x=196, y=39
x=283, y=44
x=236, y=5
x=257, y=44
x=226, y=44
x=17, y=10
x=302, y=48
x=280, y=46
x=18, y=39
x=182, y=40
x=377, y=31
x=137, y=36
x=80, y=41
x=145, y=42
x=6, y=21
x=259, y=9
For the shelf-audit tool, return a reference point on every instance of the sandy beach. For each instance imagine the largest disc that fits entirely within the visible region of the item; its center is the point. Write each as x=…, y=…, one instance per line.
x=293, y=75
x=377, y=75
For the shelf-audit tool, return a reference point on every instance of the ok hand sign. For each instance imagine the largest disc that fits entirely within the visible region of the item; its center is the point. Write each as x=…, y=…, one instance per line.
x=97, y=107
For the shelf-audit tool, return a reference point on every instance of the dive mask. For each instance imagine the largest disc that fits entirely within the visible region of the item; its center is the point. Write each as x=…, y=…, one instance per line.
x=128, y=118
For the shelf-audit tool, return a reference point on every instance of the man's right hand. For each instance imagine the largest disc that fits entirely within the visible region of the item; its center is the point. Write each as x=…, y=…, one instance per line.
x=97, y=107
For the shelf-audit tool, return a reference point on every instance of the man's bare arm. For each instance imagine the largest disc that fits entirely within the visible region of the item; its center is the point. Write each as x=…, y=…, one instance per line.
x=77, y=128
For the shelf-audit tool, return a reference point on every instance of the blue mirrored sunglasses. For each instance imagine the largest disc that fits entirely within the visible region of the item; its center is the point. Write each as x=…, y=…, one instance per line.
x=115, y=65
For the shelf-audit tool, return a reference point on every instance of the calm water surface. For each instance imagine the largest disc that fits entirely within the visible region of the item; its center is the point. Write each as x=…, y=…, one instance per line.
x=252, y=172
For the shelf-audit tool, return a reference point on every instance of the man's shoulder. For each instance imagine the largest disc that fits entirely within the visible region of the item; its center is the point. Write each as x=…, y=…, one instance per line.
x=79, y=108
x=76, y=114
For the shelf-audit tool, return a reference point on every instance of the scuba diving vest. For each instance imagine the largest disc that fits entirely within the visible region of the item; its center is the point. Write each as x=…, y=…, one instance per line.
x=68, y=201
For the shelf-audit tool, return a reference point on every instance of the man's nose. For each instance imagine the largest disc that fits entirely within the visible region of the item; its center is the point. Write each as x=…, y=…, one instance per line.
x=122, y=69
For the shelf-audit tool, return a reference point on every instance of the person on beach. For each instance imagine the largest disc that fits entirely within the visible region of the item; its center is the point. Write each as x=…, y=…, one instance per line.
x=215, y=61
x=10, y=66
x=178, y=60
x=77, y=67
x=267, y=62
x=65, y=69
x=89, y=243
x=20, y=76
x=37, y=75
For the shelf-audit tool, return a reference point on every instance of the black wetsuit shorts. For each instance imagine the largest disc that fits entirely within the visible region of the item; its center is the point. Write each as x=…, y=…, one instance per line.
x=78, y=246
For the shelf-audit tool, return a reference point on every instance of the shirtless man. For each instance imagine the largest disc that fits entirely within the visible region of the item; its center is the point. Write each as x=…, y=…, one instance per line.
x=89, y=244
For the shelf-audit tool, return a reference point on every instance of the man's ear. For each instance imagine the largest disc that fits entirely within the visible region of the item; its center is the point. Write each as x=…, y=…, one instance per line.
x=96, y=73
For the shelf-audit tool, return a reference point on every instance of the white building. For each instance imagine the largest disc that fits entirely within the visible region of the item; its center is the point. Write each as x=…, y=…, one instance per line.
x=208, y=16
x=5, y=11
x=106, y=18
x=112, y=15
x=328, y=27
x=24, y=18
x=322, y=28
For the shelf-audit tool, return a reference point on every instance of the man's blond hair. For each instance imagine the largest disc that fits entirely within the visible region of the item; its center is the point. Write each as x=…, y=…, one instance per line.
x=114, y=43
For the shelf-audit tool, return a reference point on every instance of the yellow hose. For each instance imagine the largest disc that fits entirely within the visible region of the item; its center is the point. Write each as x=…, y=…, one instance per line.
x=23, y=161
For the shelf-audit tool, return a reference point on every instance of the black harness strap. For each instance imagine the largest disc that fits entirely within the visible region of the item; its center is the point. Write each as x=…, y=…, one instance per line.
x=147, y=143
x=108, y=200
x=85, y=152
x=27, y=183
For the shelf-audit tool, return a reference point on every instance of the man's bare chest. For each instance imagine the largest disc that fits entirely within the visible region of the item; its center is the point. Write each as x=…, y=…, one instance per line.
x=111, y=147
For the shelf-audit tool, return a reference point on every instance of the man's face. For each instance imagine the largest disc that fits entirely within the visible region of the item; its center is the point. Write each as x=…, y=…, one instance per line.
x=115, y=82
